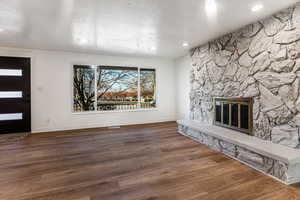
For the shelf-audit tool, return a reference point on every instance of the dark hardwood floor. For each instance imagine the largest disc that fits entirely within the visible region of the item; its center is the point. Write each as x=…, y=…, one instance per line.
x=143, y=162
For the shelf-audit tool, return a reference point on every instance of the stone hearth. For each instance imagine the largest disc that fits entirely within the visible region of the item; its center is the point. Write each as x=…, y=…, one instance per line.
x=277, y=161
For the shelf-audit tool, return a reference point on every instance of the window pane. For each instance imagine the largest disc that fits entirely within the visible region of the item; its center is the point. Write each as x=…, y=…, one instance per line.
x=12, y=116
x=148, y=84
x=117, y=88
x=11, y=95
x=84, y=88
x=10, y=72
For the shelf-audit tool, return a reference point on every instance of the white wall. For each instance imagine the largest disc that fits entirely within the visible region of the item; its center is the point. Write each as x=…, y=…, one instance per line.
x=183, y=68
x=52, y=90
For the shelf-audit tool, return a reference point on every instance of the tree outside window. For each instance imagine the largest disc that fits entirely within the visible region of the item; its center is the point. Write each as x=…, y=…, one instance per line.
x=107, y=88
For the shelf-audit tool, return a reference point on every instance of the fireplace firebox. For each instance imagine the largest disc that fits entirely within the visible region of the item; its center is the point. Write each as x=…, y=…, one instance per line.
x=234, y=113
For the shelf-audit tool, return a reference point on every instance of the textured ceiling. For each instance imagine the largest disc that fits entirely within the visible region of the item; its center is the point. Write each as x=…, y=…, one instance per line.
x=134, y=27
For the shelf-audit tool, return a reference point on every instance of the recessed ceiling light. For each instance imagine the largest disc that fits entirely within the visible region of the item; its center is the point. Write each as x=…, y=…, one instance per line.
x=153, y=48
x=1, y=29
x=257, y=7
x=81, y=41
x=211, y=8
x=185, y=44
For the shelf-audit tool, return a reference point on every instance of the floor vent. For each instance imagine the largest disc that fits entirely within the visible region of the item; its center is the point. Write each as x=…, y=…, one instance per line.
x=113, y=127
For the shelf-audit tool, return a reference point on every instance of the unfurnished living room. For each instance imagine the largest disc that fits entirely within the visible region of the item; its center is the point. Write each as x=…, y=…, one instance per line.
x=149, y=100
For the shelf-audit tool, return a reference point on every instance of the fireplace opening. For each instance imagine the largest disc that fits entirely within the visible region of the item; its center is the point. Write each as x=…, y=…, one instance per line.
x=234, y=113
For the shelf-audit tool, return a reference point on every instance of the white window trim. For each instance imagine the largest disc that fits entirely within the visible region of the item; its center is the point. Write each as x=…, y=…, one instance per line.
x=112, y=111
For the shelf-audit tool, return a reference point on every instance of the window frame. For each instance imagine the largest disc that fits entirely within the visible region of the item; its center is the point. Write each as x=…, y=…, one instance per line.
x=95, y=66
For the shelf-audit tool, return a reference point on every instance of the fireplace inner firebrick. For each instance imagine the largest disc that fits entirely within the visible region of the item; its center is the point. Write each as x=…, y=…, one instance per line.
x=234, y=113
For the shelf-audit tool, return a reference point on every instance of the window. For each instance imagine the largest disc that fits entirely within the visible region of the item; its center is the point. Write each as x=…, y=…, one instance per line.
x=147, y=83
x=117, y=88
x=84, y=88
x=109, y=88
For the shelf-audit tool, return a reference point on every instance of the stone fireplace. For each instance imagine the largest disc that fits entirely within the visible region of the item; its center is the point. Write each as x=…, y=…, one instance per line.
x=260, y=64
x=234, y=113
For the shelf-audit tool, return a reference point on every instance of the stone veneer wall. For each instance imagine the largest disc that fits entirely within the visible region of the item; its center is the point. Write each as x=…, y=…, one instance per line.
x=261, y=61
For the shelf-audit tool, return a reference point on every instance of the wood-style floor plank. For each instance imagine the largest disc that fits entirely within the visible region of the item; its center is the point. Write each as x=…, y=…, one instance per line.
x=142, y=162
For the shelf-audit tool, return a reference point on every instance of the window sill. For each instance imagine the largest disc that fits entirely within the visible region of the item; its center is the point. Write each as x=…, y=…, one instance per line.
x=114, y=111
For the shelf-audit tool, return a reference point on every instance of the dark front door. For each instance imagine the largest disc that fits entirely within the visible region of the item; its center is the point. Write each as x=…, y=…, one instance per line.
x=15, y=112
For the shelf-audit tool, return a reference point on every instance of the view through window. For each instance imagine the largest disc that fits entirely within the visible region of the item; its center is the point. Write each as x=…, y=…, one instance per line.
x=108, y=88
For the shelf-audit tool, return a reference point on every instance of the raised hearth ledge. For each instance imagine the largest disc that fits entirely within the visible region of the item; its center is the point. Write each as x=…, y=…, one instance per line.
x=277, y=161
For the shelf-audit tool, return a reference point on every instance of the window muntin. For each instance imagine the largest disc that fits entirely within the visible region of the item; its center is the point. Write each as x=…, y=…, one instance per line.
x=111, y=88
